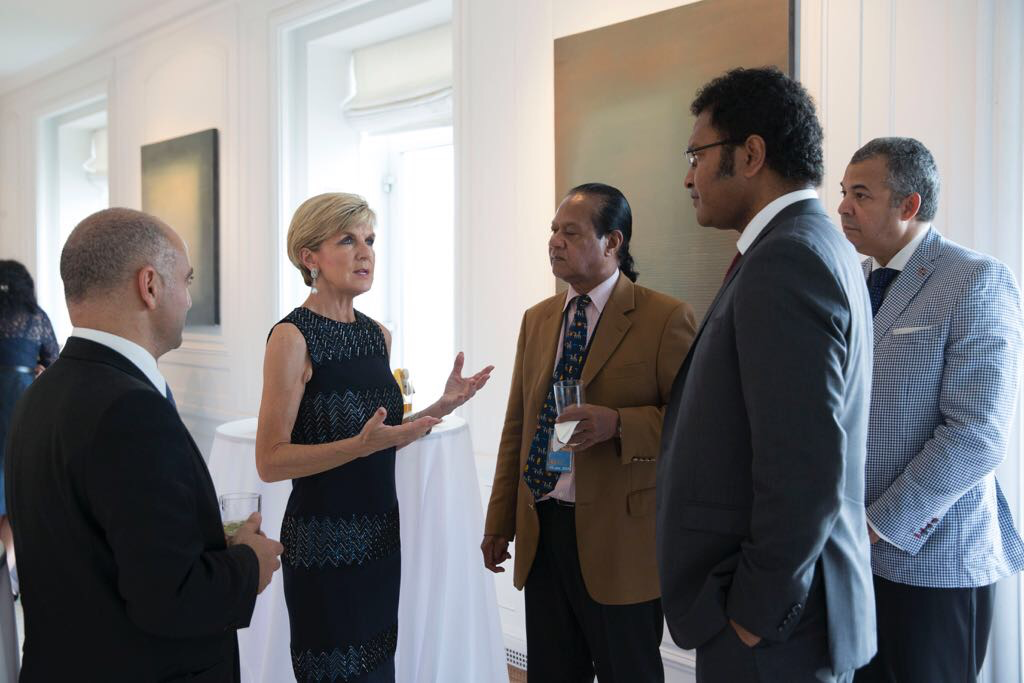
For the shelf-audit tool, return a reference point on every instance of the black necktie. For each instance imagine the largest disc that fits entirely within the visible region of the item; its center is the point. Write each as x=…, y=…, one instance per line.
x=170, y=396
x=878, y=282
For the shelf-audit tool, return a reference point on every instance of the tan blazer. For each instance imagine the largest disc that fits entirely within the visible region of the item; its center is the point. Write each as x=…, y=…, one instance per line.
x=639, y=345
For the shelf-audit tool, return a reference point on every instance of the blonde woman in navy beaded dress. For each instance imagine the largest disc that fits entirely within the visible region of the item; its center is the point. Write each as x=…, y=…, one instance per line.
x=331, y=421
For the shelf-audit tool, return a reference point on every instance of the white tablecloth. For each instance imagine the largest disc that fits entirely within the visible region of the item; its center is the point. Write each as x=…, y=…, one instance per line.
x=448, y=625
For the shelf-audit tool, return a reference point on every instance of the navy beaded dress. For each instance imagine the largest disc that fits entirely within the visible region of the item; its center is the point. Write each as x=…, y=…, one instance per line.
x=26, y=340
x=342, y=561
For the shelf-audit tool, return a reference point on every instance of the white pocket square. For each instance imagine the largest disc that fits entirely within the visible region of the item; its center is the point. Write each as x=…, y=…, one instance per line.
x=911, y=330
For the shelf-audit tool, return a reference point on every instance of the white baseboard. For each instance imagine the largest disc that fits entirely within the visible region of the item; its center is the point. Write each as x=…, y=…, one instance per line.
x=680, y=665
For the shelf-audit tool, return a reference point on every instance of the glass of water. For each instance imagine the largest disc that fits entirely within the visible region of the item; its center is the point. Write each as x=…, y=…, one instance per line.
x=235, y=509
x=568, y=392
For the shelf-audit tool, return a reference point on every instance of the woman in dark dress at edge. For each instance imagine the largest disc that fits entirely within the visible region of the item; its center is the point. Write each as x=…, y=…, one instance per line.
x=331, y=420
x=27, y=345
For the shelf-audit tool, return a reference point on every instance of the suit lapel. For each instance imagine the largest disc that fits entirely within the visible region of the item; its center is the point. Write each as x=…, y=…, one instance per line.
x=90, y=351
x=611, y=328
x=718, y=296
x=610, y=331
x=907, y=284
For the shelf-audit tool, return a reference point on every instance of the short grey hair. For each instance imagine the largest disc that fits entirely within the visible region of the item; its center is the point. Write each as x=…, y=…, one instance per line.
x=109, y=247
x=911, y=169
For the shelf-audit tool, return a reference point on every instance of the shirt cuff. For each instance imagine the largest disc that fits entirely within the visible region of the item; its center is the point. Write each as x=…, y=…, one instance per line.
x=879, y=533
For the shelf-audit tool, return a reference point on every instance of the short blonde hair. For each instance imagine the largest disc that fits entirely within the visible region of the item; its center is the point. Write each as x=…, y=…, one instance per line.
x=321, y=217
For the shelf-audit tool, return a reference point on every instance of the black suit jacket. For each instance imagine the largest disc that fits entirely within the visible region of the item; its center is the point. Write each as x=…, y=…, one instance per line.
x=761, y=476
x=125, y=575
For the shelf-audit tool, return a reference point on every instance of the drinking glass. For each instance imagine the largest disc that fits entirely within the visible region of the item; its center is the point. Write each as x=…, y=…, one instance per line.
x=235, y=509
x=568, y=392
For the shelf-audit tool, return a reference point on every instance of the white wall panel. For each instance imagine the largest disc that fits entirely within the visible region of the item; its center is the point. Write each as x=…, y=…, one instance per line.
x=876, y=82
x=840, y=104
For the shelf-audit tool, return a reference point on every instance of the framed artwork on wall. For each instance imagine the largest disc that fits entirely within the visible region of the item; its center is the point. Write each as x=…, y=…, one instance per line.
x=622, y=117
x=180, y=186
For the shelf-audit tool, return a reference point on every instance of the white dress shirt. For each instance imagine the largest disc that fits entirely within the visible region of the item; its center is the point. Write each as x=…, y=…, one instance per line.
x=140, y=357
x=899, y=261
x=565, y=487
x=765, y=216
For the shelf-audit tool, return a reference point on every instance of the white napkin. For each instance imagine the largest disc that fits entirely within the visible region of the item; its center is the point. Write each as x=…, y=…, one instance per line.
x=564, y=430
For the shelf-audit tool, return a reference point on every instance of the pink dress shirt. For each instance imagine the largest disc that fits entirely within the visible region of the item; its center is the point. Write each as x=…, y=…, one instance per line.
x=565, y=487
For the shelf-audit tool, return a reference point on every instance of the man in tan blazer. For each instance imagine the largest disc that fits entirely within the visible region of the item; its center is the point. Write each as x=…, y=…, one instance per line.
x=585, y=538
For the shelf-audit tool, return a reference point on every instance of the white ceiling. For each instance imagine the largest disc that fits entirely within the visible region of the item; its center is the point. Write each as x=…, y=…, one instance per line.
x=33, y=32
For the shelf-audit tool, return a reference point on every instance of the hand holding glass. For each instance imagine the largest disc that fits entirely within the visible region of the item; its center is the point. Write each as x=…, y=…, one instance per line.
x=567, y=393
x=235, y=509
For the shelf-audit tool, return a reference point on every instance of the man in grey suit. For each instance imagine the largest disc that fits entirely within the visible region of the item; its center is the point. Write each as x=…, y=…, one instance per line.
x=761, y=532
x=947, y=345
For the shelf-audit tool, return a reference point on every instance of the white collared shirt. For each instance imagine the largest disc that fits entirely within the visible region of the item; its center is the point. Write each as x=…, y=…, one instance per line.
x=140, y=357
x=899, y=261
x=765, y=216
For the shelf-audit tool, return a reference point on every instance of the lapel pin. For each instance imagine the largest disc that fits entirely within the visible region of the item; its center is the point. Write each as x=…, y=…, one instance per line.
x=922, y=271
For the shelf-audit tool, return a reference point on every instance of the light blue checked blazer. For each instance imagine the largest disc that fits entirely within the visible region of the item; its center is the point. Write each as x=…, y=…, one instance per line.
x=946, y=375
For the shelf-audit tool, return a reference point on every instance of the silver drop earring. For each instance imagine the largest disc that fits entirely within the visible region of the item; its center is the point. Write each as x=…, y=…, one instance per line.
x=314, y=274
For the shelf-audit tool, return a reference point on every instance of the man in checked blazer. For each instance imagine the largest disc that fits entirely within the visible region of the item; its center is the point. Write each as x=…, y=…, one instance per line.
x=947, y=341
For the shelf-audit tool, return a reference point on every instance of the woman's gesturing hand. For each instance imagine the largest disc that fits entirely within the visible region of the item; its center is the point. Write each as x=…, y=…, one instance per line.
x=377, y=436
x=459, y=389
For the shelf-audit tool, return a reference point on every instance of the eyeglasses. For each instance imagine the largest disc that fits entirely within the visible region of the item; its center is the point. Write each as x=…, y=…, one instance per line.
x=691, y=154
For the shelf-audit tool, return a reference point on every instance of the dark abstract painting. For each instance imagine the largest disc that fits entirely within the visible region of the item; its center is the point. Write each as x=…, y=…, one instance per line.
x=180, y=186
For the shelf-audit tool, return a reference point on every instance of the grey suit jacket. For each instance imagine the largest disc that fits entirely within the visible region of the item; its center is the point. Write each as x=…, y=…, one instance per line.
x=761, y=475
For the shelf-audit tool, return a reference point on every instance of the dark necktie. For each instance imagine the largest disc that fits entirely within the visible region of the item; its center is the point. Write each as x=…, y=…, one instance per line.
x=878, y=282
x=570, y=366
x=732, y=266
x=170, y=396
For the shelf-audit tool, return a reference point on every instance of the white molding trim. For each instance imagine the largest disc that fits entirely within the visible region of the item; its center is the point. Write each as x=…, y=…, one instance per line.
x=196, y=342
x=197, y=360
x=206, y=414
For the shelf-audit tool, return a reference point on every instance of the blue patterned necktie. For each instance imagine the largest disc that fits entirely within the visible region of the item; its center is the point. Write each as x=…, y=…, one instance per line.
x=170, y=397
x=570, y=366
x=878, y=282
